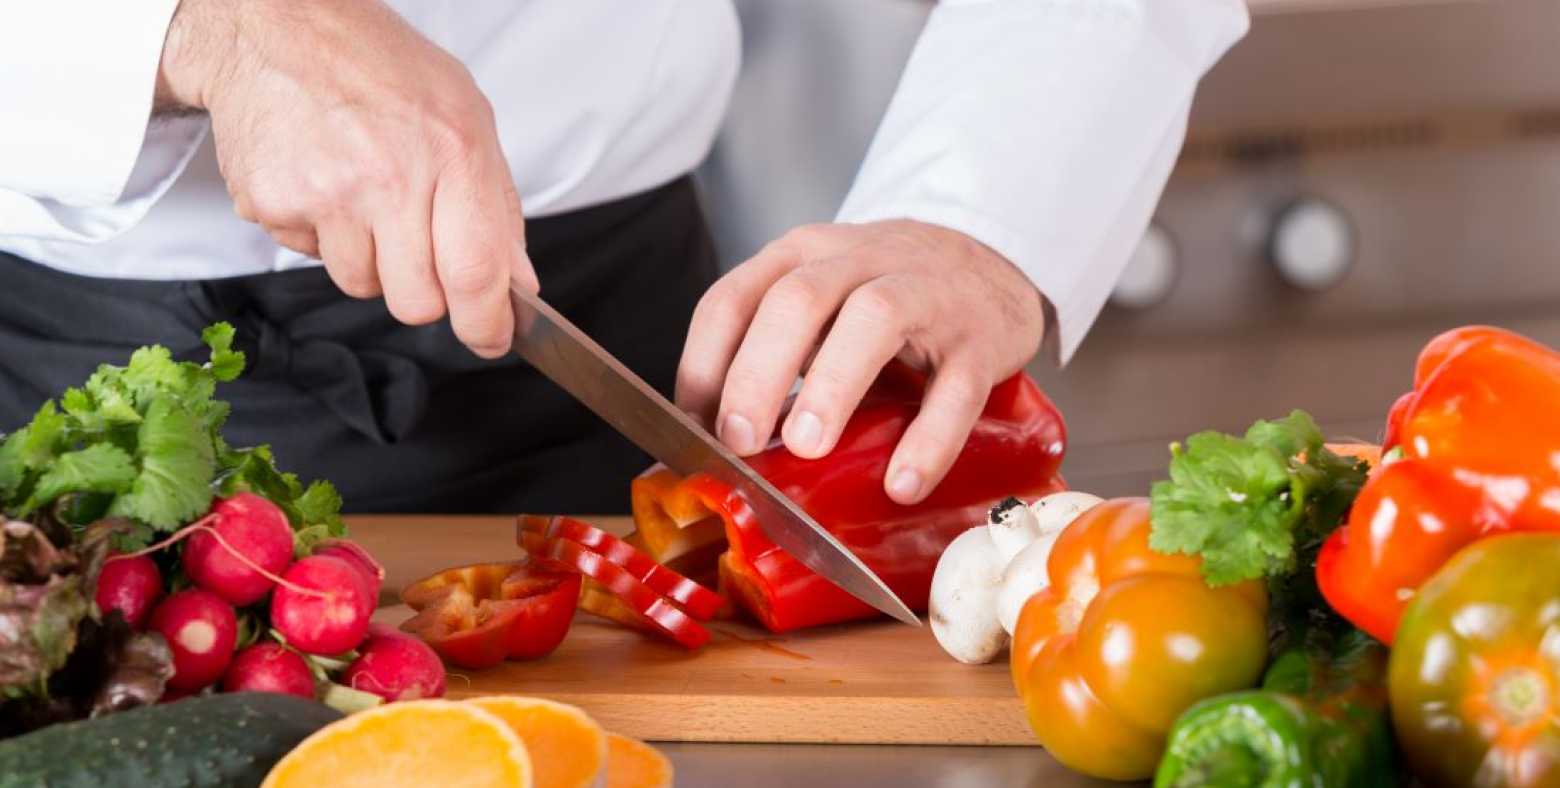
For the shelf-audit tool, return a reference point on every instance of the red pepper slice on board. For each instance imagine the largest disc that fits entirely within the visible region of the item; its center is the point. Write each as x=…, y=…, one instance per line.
x=1015, y=448
x=477, y=616
x=694, y=599
x=656, y=613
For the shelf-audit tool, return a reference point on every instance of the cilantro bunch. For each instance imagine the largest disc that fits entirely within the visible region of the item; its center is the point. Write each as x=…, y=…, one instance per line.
x=1257, y=506
x=144, y=442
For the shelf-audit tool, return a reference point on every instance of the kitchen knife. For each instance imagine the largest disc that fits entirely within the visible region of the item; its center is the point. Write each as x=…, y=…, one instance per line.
x=562, y=352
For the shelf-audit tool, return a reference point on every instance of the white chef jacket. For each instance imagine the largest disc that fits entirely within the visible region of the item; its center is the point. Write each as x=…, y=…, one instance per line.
x=1044, y=128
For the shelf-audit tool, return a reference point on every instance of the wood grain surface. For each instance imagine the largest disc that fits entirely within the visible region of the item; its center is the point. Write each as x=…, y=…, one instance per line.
x=874, y=682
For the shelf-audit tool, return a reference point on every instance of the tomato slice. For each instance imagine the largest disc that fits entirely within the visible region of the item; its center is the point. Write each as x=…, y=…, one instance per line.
x=697, y=601
x=655, y=613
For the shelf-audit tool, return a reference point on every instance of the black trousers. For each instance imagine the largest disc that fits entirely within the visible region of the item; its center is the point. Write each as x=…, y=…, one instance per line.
x=401, y=419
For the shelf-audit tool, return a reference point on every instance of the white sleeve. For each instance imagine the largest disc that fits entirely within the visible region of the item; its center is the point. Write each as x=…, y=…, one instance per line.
x=80, y=158
x=1045, y=129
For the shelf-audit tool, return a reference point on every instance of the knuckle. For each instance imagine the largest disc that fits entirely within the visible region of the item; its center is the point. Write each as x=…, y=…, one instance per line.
x=355, y=284
x=806, y=236
x=965, y=391
x=417, y=311
x=485, y=337
x=744, y=384
x=469, y=279
x=718, y=308
x=827, y=385
x=460, y=128
x=793, y=299
x=876, y=304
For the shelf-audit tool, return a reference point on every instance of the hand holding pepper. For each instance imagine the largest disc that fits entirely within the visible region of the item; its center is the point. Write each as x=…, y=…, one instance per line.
x=1015, y=448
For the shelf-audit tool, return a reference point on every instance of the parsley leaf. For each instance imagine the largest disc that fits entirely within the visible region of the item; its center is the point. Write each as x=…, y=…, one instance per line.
x=321, y=505
x=226, y=363
x=99, y=468
x=144, y=441
x=177, y=464
x=1249, y=506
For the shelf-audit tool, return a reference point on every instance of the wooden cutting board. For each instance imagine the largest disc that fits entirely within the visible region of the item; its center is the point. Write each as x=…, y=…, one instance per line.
x=877, y=682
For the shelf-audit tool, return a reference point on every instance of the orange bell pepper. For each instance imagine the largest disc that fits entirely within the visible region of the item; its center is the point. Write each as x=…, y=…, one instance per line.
x=1481, y=455
x=1124, y=639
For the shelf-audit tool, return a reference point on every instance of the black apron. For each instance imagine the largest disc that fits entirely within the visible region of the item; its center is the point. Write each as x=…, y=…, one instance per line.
x=401, y=419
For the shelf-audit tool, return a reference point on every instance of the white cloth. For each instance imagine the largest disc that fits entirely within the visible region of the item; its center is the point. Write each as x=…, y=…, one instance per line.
x=1043, y=128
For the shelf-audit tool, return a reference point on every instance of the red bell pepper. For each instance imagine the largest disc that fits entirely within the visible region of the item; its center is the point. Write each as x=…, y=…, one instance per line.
x=1014, y=449
x=477, y=616
x=642, y=606
x=1481, y=455
x=696, y=600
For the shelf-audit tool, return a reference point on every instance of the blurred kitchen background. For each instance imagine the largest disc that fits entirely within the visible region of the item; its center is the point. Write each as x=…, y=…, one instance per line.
x=1360, y=175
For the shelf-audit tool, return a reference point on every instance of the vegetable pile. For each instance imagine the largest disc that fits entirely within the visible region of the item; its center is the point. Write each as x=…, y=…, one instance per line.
x=146, y=559
x=1401, y=609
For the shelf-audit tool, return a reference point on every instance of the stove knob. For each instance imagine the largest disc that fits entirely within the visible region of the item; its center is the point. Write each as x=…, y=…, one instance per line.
x=1312, y=244
x=1150, y=274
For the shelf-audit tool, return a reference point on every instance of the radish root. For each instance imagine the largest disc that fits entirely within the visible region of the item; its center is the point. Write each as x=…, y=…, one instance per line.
x=201, y=525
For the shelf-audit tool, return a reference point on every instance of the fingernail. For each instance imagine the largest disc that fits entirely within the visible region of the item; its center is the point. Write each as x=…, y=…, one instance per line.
x=905, y=485
x=804, y=433
x=737, y=433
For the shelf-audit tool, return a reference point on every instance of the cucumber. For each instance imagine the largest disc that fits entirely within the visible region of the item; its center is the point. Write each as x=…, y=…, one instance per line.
x=215, y=740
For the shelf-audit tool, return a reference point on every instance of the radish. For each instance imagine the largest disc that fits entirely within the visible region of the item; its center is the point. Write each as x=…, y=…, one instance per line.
x=200, y=628
x=322, y=605
x=252, y=526
x=396, y=666
x=130, y=584
x=269, y=667
x=359, y=558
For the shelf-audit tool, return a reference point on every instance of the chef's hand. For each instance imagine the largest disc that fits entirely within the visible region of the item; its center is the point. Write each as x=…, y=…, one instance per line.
x=838, y=302
x=351, y=138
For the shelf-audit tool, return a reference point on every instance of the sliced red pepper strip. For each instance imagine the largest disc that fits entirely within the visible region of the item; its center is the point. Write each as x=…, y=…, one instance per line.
x=1015, y=448
x=659, y=614
x=477, y=616
x=696, y=600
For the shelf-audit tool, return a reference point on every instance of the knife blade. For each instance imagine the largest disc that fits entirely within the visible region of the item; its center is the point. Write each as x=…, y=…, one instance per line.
x=570, y=358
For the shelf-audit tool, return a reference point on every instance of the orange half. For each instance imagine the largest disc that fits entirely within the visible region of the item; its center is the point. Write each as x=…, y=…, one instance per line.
x=411, y=743
x=633, y=764
x=568, y=749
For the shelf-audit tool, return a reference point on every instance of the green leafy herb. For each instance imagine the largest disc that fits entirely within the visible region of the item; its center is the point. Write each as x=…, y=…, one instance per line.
x=98, y=468
x=143, y=441
x=1257, y=506
x=177, y=466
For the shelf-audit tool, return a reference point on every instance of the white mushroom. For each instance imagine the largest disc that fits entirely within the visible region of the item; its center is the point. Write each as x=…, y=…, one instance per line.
x=963, y=603
x=1013, y=526
x=1026, y=573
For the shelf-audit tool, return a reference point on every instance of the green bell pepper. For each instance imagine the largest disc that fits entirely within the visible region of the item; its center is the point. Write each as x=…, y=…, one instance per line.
x=1319, y=719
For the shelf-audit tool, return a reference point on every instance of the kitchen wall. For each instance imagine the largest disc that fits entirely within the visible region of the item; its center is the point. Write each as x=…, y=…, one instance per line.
x=1424, y=137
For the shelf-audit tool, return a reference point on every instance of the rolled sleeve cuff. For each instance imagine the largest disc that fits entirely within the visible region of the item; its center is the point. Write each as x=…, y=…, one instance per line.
x=80, y=83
